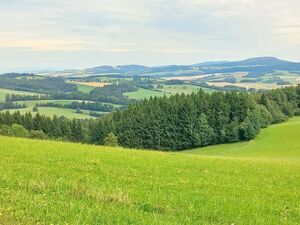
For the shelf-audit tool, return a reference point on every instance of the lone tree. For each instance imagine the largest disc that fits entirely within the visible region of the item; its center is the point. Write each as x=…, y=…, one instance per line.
x=111, y=140
x=35, y=109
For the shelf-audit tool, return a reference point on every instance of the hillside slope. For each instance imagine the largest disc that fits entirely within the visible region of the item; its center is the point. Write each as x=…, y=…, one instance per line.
x=277, y=141
x=47, y=182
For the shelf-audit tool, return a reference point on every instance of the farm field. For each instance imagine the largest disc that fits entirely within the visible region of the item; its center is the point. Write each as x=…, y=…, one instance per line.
x=3, y=93
x=183, y=88
x=142, y=93
x=84, y=88
x=47, y=182
x=51, y=111
x=280, y=141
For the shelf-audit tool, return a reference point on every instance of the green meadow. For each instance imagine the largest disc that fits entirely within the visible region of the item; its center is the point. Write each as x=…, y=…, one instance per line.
x=280, y=141
x=182, y=88
x=142, y=93
x=48, y=182
x=84, y=88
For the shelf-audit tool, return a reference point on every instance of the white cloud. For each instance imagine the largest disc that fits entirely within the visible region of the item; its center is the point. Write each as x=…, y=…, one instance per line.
x=191, y=30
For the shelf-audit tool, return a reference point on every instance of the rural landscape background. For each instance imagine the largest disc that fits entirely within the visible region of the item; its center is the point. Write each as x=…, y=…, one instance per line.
x=152, y=112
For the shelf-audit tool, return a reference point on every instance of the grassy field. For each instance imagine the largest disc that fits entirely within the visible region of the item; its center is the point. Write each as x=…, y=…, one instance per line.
x=51, y=111
x=3, y=93
x=142, y=93
x=281, y=140
x=183, y=88
x=84, y=88
x=47, y=182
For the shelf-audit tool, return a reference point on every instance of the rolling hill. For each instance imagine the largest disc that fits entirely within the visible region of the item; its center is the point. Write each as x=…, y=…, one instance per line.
x=278, y=141
x=47, y=182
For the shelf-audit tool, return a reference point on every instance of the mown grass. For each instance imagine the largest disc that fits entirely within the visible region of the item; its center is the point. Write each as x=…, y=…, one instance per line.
x=3, y=93
x=280, y=141
x=47, y=182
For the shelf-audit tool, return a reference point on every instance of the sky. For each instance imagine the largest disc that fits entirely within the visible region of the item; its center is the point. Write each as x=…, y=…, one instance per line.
x=59, y=34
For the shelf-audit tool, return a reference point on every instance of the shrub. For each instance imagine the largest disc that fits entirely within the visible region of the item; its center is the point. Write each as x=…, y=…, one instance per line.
x=111, y=140
x=6, y=131
x=37, y=134
x=19, y=131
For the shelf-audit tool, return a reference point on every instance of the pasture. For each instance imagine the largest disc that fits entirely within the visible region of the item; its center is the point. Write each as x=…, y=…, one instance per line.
x=48, y=182
x=278, y=141
x=142, y=93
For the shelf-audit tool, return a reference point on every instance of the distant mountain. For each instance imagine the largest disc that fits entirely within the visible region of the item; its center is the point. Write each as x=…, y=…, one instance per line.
x=254, y=67
x=259, y=61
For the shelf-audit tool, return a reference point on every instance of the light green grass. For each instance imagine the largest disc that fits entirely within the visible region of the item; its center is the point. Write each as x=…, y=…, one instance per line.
x=142, y=93
x=183, y=88
x=51, y=111
x=85, y=88
x=47, y=182
x=280, y=141
x=3, y=93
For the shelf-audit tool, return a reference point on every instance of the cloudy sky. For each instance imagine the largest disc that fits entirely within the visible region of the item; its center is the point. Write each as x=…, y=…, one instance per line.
x=85, y=33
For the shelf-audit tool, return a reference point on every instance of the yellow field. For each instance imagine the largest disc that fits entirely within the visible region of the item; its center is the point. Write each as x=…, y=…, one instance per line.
x=93, y=84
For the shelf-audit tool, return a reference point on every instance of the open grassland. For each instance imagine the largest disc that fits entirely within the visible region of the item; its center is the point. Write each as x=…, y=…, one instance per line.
x=51, y=111
x=166, y=90
x=84, y=88
x=280, y=141
x=182, y=88
x=142, y=93
x=3, y=93
x=47, y=182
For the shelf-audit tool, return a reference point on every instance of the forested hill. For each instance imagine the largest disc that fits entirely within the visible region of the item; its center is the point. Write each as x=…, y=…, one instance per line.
x=188, y=121
x=175, y=123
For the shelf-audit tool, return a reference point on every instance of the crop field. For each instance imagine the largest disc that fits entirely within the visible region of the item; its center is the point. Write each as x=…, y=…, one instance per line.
x=48, y=182
x=3, y=93
x=93, y=84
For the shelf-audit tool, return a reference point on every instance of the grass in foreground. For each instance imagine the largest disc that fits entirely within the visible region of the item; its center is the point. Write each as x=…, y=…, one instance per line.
x=49, y=182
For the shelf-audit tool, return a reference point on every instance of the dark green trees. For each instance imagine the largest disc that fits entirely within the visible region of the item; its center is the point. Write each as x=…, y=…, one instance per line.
x=169, y=123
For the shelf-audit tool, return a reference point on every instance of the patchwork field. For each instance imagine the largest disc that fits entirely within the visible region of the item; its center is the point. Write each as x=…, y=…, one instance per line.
x=47, y=182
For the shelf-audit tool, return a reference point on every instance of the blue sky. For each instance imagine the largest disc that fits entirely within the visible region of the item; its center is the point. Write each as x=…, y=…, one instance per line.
x=85, y=33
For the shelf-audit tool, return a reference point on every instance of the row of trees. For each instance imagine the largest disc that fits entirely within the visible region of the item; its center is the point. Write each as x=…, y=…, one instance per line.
x=18, y=97
x=175, y=123
x=11, y=105
x=93, y=106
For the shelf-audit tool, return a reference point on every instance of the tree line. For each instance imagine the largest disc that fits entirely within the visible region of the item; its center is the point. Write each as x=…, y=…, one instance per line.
x=174, y=123
x=93, y=106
